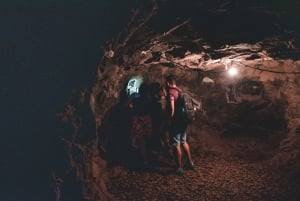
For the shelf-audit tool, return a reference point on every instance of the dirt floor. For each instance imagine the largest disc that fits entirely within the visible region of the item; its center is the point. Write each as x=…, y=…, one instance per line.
x=235, y=170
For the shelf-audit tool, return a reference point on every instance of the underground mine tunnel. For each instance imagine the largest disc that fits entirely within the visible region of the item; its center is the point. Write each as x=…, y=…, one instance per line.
x=241, y=60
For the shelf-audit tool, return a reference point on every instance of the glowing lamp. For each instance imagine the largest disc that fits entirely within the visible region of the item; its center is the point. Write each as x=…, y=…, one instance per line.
x=232, y=71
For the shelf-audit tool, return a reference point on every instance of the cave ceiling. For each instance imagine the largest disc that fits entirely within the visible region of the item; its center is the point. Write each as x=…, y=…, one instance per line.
x=210, y=36
x=249, y=49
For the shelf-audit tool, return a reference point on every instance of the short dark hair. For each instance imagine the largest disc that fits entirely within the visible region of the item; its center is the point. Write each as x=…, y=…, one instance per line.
x=144, y=89
x=171, y=79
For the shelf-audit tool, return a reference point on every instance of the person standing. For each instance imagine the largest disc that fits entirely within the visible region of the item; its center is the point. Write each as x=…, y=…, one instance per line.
x=160, y=140
x=141, y=123
x=177, y=127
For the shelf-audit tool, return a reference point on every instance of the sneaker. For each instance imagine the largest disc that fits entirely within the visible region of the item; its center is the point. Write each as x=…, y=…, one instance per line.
x=179, y=171
x=190, y=166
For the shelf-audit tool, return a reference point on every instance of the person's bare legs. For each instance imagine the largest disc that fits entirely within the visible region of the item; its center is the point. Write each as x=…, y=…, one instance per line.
x=187, y=151
x=178, y=156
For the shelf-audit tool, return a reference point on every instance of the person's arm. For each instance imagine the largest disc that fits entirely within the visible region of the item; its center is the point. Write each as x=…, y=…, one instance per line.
x=172, y=106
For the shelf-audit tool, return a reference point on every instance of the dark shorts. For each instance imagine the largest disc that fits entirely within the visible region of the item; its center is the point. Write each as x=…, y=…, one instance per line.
x=178, y=133
x=178, y=139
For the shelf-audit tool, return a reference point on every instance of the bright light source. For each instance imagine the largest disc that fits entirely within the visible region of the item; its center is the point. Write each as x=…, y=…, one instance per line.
x=134, y=84
x=232, y=71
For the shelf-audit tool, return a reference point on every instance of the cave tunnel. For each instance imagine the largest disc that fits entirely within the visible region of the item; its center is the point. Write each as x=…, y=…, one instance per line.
x=242, y=64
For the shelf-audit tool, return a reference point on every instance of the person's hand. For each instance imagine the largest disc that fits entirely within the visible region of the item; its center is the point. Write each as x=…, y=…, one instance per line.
x=172, y=114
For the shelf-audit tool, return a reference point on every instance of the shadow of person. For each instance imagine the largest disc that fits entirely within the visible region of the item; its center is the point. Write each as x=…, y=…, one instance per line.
x=115, y=133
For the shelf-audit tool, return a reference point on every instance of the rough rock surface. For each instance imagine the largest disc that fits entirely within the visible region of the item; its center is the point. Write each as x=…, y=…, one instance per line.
x=215, y=178
x=222, y=174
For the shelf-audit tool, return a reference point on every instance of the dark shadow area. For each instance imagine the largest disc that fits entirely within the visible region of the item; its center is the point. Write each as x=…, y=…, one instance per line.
x=77, y=130
x=252, y=120
x=115, y=134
